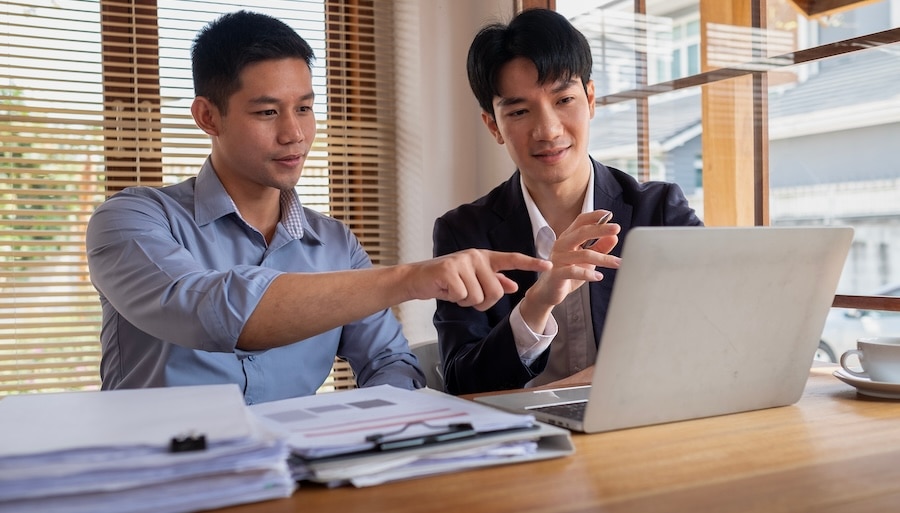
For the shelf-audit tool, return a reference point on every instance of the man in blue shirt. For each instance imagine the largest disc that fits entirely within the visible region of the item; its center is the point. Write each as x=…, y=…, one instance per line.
x=226, y=278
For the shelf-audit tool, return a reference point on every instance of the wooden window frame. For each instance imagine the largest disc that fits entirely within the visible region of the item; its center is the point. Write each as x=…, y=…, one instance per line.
x=736, y=174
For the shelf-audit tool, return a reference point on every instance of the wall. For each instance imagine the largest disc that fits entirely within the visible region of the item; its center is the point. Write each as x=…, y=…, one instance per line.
x=445, y=154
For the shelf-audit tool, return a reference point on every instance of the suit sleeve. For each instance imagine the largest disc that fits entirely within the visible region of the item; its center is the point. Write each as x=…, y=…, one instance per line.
x=677, y=210
x=478, y=352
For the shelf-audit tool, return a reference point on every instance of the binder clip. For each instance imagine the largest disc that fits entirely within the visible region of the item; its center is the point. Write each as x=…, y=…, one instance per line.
x=187, y=443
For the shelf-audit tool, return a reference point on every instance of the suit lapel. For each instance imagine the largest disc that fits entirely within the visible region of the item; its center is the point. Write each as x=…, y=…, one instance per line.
x=608, y=196
x=513, y=231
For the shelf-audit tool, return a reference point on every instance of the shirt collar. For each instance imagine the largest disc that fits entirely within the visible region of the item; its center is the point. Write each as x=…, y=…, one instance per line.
x=292, y=216
x=544, y=237
x=212, y=201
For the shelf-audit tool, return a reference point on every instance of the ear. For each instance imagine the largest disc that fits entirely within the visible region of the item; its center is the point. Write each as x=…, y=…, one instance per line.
x=206, y=115
x=591, y=98
x=491, y=125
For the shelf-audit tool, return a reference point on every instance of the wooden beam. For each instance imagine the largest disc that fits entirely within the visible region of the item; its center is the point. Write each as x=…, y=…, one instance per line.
x=735, y=172
x=521, y=5
x=891, y=304
x=820, y=8
x=131, y=93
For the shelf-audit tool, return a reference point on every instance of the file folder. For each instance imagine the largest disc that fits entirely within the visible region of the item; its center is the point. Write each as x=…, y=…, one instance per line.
x=369, y=436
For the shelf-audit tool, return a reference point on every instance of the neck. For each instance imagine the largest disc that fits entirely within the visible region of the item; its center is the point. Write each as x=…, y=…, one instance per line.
x=560, y=202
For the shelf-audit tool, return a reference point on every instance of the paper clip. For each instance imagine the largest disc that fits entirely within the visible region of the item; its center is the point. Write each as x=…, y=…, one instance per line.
x=187, y=443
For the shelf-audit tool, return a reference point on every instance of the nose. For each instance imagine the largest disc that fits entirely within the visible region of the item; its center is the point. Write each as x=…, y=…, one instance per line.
x=548, y=125
x=290, y=130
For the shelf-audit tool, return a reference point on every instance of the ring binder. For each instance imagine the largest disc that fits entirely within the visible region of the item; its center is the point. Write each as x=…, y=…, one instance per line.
x=372, y=435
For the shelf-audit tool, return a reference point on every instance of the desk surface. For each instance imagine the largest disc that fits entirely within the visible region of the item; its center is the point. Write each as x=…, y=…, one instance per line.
x=833, y=451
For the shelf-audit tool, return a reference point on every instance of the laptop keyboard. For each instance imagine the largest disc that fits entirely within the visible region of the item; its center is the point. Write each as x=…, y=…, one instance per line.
x=568, y=410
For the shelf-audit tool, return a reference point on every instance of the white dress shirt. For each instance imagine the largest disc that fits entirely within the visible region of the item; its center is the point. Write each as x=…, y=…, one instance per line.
x=530, y=344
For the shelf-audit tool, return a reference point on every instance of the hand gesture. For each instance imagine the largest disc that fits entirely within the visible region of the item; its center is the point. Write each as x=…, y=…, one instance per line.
x=470, y=277
x=573, y=265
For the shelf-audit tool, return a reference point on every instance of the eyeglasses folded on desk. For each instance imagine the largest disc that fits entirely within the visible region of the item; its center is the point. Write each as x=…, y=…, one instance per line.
x=155, y=450
x=369, y=436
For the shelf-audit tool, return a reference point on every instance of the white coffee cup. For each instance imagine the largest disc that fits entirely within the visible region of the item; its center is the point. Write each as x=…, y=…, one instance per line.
x=879, y=358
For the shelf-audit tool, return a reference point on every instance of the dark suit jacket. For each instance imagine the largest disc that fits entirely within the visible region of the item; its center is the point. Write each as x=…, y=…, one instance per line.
x=477, y=348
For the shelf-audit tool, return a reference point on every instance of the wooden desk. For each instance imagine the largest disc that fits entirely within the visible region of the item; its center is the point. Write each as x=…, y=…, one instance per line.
x=833, y=451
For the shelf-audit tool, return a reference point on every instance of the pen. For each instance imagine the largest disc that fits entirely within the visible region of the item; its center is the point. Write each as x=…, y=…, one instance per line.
x=603, y=220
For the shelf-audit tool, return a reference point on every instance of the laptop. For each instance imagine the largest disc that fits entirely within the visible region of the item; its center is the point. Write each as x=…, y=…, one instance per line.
x=702, y=322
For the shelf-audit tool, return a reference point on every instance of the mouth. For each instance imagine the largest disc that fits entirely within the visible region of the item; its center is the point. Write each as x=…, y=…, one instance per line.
x=291, y=159
x=551, y=154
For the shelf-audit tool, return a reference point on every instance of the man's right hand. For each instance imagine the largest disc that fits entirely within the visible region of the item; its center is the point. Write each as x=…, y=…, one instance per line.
x=470, y=277
x=572, y=266
x=300, y=305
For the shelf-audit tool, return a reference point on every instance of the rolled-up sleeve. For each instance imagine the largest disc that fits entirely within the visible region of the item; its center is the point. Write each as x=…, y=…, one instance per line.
x=140, y=260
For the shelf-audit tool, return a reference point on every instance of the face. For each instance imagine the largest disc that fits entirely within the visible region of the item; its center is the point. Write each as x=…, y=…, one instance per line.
x=259, y=146
x=544, y=127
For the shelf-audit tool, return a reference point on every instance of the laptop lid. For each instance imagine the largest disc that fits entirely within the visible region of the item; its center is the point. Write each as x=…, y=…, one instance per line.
x=706, y=321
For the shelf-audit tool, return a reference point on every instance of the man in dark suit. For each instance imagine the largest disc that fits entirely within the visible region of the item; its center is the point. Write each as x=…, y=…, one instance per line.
x=532, y=81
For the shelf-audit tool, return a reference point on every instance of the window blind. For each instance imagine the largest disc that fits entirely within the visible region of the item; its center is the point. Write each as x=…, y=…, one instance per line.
x=95, y=96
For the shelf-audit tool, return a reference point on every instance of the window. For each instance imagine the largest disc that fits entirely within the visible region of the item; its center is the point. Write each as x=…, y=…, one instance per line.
x=94, y=97
x=793, y=112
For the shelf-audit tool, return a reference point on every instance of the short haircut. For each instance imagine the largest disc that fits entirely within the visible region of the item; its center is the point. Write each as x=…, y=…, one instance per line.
x=546, y=38
x=225, y=46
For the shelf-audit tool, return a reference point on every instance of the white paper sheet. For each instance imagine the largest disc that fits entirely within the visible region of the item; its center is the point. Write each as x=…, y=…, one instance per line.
x=109, y=451
x=339, y=422
x=119, y=418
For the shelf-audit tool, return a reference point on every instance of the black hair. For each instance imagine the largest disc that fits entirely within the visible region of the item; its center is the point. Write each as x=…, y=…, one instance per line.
x=546, y=38
x=225, y=46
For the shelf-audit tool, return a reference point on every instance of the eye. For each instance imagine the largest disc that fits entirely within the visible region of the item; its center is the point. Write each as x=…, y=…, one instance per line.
x=516, y=113
x=268, y=112
x=567, y=100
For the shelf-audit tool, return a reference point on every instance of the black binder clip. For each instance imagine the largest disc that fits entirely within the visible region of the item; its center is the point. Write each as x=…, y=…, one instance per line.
x=187, y=443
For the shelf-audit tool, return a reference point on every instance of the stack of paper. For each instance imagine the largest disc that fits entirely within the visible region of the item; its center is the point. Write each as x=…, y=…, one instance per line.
x=373, y=435
x=156, y=450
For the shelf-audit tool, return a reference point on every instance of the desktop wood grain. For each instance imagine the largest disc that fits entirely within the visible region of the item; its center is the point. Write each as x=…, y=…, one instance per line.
x=833, y=451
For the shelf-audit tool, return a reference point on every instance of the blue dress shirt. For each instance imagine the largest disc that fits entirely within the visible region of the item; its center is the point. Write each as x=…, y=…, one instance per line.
x=179, y=272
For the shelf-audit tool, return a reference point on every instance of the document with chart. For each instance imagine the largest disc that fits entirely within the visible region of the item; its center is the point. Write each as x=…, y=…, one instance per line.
x=367, y=436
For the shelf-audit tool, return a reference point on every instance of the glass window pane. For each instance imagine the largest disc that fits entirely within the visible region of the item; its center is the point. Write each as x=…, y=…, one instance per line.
x=833, y=157
x=676, y=63
x=833, y=122
x=693, y=59
x=614, y=136
x=812, y=31
x=693, y=28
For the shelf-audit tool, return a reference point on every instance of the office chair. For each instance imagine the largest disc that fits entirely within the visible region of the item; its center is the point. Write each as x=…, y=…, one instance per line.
x=430, y=361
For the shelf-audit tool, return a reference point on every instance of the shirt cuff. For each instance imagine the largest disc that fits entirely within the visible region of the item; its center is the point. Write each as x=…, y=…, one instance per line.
x=530, y=344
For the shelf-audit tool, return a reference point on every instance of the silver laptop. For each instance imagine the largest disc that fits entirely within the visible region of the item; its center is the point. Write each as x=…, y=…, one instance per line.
x=702, y=321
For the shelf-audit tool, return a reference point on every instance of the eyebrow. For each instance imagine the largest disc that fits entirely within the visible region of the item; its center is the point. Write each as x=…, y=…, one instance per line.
x=261, y=100
x=558, y=88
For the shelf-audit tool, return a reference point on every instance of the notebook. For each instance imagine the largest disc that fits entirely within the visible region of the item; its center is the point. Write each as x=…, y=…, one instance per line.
x=702, y=321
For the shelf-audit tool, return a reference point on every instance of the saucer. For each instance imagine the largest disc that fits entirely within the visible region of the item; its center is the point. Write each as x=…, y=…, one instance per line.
x=868, y=387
